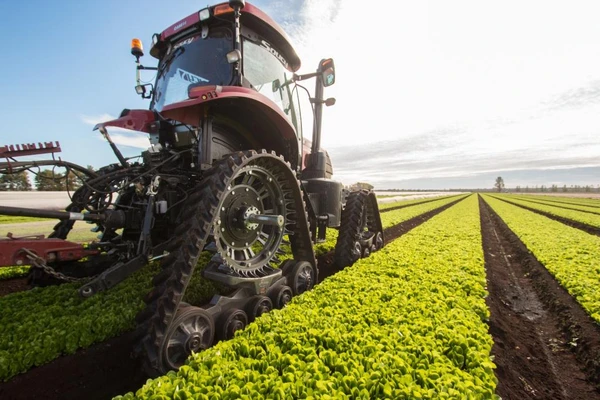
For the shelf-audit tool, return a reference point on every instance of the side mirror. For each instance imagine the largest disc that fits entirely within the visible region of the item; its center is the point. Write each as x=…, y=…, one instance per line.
x=144, y=90
x=327, y=71
x=276, y=85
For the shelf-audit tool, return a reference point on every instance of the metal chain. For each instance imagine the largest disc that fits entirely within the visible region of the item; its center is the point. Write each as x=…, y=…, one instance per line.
x=38, y=262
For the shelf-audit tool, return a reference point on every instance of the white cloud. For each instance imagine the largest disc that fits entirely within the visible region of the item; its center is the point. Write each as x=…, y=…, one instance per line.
x=505, y=86
x=96, y=119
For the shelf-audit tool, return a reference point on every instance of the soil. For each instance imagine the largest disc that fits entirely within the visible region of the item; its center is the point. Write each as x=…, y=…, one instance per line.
x=13, y=285
x=592, y=230
x=545, y=345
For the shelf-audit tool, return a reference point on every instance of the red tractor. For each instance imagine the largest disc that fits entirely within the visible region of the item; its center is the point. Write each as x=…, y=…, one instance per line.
x=227, y=170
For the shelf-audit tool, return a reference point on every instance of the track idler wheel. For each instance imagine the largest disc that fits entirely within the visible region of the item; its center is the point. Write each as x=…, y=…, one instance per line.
x=282, y=296
x=232, y=321
x=303, y=277
x=258, y=306
x=192, y=330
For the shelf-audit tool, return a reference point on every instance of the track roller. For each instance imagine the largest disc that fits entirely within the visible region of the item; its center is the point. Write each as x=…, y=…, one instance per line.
x=231, y=321
x=258, y=306
x=192, y=330
x=303, y=277
x=281, y=296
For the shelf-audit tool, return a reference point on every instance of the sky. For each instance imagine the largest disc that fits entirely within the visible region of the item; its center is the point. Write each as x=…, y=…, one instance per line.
x=430, y=94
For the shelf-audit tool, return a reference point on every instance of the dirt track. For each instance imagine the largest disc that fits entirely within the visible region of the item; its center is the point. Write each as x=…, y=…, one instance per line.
x=535, y=323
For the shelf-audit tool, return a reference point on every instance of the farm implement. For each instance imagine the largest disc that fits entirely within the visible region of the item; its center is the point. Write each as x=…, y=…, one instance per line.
x=227, y=170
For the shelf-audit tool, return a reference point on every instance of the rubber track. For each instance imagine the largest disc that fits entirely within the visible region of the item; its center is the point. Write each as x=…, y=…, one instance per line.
x=199, y=214
x=357, y=204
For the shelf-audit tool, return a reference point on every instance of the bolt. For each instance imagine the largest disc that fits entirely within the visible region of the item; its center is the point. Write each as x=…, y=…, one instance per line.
x=222, y=208
x=247, y=190
x=19, y=262
x=233, y=243
x=222, y=229
x=247, y=243
x=233, y=192
x=218, y=222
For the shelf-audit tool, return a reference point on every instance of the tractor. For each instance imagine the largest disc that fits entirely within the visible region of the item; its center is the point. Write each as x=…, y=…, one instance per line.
x=227, y=170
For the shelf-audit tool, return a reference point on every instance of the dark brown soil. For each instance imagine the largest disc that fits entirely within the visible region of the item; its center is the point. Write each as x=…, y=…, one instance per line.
x=592, y=230
x=107, y=369
x=545, y=345
x=9, y=286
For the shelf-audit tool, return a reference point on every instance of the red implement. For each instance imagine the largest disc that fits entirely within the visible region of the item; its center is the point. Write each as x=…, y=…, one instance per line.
x=29, y=149
x=51, y=250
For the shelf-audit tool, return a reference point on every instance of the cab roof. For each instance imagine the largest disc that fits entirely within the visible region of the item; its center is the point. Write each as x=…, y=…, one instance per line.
x=251, y=17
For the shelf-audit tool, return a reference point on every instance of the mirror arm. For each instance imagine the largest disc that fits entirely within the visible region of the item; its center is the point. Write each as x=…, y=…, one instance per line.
x=303, y=77
x=148, y=68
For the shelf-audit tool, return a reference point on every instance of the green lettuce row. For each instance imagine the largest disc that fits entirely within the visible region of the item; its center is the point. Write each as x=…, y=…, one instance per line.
x=30, y=336
x=560, y=199
x=39, y=325
x=569, y=254
x=392, y=218
x=13, y=272
x=385, y=206
x=407, y=322
x=585, y=218
x=564, y=205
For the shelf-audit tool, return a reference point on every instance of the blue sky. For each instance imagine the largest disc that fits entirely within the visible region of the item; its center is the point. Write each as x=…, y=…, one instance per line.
x=68, y=61
x=438, y=94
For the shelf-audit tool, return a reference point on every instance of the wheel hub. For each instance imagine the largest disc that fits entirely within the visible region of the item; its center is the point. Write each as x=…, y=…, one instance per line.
x=247, y=213
x=194, y=342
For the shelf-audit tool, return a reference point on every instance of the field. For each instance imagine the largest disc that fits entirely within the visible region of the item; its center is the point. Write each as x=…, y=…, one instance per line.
x=473, y=296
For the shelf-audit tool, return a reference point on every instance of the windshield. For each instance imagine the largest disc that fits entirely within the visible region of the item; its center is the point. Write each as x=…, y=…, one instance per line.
x=193, y=61
x=264, y=69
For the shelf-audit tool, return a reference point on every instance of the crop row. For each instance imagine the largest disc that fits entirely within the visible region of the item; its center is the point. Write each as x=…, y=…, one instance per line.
x=385, y=206
x=407, y=322
x=13, y=272
x=564, y=205
x=39, y=325
x=595, y=203
x=569, y=254
x=392, y=218
x=585, y=218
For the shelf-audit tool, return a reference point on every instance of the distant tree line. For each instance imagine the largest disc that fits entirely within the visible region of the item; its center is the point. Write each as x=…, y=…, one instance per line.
x=45, y=180
x=558, y=189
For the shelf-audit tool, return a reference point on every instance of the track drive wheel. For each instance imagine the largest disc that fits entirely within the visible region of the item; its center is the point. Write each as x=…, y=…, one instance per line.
x=360, y=231
x=247, y=245
x=192, y=330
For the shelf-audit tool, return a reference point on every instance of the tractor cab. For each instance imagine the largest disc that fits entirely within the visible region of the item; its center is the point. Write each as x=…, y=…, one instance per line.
x=202, y=51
